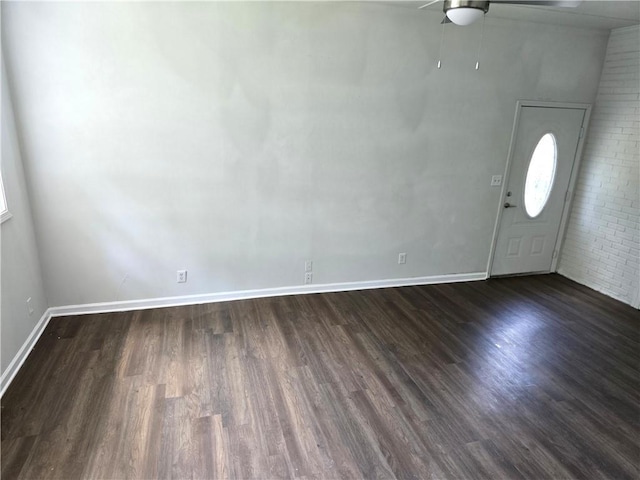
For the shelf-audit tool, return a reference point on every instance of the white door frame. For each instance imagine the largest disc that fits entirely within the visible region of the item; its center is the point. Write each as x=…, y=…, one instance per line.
x=572, y=181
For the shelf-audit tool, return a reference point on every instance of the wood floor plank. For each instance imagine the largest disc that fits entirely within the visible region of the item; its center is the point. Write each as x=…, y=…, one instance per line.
x=15, y=453
x=520, y=378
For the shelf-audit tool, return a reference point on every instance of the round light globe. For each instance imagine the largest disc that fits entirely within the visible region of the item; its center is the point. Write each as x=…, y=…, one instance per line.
x=464, y=15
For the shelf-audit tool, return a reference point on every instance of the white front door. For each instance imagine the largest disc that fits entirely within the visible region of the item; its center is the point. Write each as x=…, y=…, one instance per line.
x=543, y=155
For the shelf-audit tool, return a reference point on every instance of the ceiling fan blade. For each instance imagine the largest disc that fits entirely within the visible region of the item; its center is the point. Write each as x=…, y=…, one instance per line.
x=445, y=20
x=428, y=4
x=542, y=3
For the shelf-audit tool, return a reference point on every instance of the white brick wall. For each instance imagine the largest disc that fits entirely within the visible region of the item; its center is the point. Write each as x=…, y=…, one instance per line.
x=602, y=242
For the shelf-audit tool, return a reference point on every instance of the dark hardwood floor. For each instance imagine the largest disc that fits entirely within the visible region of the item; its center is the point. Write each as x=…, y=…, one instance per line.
x=529, y=377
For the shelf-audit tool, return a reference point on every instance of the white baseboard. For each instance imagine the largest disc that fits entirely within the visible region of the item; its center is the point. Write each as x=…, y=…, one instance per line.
x=106, y=307
x=9, y=374
x=127, y=305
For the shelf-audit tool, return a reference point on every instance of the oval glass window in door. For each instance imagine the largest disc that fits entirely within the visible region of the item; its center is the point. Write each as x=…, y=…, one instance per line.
x=539, y=179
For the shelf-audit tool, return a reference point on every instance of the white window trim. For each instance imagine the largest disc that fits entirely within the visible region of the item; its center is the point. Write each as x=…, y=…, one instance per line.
x=5, y=214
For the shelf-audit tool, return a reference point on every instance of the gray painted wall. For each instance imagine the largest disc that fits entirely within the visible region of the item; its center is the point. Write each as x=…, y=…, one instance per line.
x=21, y=276
x=238, y=140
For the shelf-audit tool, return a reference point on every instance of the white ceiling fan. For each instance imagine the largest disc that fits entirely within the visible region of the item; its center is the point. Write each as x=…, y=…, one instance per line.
x=465, y=12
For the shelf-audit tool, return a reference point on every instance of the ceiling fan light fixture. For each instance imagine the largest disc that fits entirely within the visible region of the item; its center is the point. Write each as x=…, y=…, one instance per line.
x=464, y=15
x=465, y=12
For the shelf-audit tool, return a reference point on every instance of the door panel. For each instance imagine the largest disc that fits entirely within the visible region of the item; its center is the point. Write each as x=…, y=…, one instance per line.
x=525, y=244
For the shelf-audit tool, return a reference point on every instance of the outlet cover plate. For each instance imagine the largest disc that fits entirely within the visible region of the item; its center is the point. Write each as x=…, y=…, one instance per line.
x=181, y=276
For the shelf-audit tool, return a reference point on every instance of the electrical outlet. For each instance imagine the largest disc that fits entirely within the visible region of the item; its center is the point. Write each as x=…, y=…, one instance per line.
x=496, y=180
x=402, y=258
x=308, y=278
x=308, y=266
x=29, y=307
x=182, y=276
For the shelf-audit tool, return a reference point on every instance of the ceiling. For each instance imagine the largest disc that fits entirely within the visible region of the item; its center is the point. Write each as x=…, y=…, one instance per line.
x=604, y=14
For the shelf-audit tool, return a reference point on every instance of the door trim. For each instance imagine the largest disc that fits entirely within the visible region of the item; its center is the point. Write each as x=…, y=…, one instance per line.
x=572, y=179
